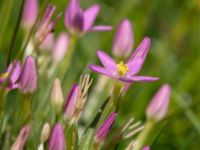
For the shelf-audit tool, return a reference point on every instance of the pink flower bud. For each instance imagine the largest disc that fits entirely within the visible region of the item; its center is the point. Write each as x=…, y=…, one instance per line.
x=104, y=129
x=21, y=139
x=57, y=98
x=57, y=138
x=13, y=72
x=158, y=106
x=60, y=47
x=70, y=104
x=146, y=148
x=48, y=42
x=123, y=42
x=30, y=13
x=28, y=77
x=46, y=24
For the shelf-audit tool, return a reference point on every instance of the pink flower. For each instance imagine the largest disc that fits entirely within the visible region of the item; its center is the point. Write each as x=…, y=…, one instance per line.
x=12, y=72
x=60, y=47
x=78, y=21
x=146, y=148
x=30, y=13
x=21, y=139
x=125, y=72
x=104, y=129
x=123, y=42
x=28, y=77
x=57, y=138
x=158, y=106
x=70, y=104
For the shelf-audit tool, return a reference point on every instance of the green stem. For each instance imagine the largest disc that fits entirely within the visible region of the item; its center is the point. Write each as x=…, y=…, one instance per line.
x=12, y=44
x=5, y=13
x=26, y=108
x=69, y=55
x=144, y=134
x=2, y=108
x=113, y=103
x=72, y=136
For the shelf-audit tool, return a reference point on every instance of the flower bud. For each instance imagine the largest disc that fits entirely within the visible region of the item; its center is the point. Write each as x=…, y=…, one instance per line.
x=45, y=132
x=123, y=42
x=57, y=138
x=28, y=77
x=30, y=13
x=146, y=148
x=48, y=42
x=158, y=106
x=60, y=47
x=46, y=25
x=104, y=129
x=21, y=139
x=13, y=73
x=70, y=104
x=57, y=98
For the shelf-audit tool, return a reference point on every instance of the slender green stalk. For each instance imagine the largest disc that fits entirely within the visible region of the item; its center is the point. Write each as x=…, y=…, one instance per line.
x=2, y=105
x=13, y=40
x=113, y=103
x=143, y=136
x=5, y=13
x=72, y=136
x=188, y=112
x=69, y=55
x=26, y=108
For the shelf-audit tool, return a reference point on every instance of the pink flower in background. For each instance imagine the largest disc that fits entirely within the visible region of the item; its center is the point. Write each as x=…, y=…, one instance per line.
x=123, y=42
x=28, y=77
x=21, y=138
x=48, y=42
x=46, y=24
x=125, y=72
x=158, y=106
x=146, y=148
x=30, y=13
x=78, y=21
x=104, y=129
x=60, y=47
x=57, y=138
x=12, y=72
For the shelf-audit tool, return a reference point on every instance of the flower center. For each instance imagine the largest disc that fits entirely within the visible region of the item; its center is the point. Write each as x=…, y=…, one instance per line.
x=122, y=68
x=4, y=75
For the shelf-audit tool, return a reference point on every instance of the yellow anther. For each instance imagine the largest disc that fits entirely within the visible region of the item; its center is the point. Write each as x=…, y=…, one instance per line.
x=122, y=68
x=4, y=75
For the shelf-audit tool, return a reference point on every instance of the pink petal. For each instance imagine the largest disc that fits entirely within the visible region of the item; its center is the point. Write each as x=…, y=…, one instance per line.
x=140, y=54
x=100, y=70
x=125, y=79
x=101, y=28
x=107, y=61
x=143, y=78
x=134, y=66
x=71, y=11
x=90, y=15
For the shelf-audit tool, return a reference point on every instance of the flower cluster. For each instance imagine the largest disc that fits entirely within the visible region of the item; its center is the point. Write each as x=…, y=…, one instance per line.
x=37, y=76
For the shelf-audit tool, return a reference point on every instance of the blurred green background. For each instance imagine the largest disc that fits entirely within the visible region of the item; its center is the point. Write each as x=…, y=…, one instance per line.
x=174, y=27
